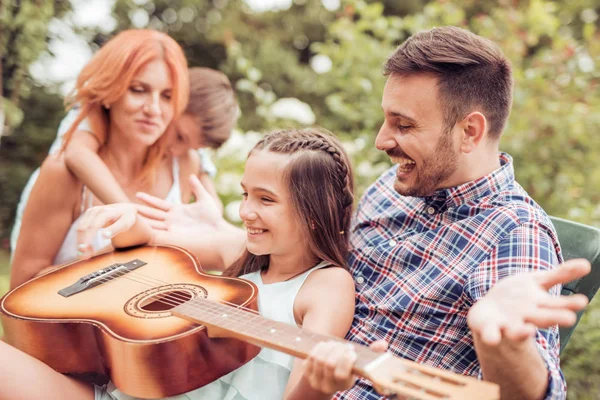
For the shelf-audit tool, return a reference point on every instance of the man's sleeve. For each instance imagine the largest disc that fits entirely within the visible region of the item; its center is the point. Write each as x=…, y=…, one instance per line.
x=525, y=249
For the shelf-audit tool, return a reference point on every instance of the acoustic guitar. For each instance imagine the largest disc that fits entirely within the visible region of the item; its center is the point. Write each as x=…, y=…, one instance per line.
x=152, y=321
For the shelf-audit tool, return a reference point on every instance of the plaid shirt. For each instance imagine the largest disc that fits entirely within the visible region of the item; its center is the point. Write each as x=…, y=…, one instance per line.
x=419, y=264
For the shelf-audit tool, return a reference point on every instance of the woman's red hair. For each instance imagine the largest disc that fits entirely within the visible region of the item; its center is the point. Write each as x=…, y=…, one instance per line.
x=109, y=73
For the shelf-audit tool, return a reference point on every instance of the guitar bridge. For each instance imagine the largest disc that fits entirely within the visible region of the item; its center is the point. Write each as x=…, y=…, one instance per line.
x=101, y=276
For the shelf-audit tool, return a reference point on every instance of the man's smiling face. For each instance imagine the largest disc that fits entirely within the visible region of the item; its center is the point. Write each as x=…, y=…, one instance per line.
x=415, y=137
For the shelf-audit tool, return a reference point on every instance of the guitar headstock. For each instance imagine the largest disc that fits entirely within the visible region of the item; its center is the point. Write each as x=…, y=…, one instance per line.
x=393, y=375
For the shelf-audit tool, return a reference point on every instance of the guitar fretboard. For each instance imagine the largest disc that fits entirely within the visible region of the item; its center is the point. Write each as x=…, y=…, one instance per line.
x=388, y=373
x=230, y=321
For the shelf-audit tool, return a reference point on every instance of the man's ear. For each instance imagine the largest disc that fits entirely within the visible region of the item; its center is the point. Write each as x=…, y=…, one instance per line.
x=473, y=128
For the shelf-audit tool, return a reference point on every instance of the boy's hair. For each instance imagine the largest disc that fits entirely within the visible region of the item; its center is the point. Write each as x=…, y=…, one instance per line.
x=109, y=73
x=472, y=73
x=321, y=185
x=213, y=101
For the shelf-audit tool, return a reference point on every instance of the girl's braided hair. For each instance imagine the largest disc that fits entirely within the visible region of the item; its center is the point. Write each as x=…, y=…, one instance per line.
x=321, y=185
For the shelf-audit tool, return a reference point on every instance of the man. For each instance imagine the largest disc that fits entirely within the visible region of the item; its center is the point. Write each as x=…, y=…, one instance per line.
x=436, y=231
x=442, y=241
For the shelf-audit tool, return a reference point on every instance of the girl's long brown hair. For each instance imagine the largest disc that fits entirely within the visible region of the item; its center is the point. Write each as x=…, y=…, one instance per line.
x=322, y=190
x=109, y=73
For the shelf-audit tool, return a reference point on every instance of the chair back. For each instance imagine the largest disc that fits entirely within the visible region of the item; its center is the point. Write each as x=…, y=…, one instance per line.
x=578, y=241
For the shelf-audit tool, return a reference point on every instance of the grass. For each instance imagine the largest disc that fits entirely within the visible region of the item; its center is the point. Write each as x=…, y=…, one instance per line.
x=4, y=266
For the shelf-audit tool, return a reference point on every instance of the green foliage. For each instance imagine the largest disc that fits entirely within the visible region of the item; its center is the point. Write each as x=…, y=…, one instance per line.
x=4, y=263
x=23, y=37
x=24, y=150
x=580, y=358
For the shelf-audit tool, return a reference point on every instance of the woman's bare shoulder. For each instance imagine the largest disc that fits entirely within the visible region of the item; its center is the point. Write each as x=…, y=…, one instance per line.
x=54, y=166
x=55, y=176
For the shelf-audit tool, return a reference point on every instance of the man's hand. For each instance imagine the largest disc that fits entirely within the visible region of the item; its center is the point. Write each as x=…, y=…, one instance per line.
x=516, y=306
x=200, y=215
x=328, y=368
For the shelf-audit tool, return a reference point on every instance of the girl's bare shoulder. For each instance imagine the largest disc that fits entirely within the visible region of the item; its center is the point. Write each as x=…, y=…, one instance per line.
x=333, y=283
x=325, y=302
x=332, y=275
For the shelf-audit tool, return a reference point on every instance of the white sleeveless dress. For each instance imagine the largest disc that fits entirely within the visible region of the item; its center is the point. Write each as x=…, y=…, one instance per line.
x=265, y=376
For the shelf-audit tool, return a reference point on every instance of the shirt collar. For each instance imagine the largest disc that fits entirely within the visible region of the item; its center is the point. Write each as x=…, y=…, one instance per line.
x=495, y=182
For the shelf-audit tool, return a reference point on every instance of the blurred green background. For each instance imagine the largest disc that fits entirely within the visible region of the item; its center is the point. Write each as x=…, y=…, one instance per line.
x=307, y=62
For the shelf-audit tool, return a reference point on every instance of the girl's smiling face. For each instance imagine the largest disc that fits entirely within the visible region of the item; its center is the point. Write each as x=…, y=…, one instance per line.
x=273, y=226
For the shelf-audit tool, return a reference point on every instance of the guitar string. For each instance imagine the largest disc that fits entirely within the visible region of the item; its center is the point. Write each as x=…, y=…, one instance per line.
x=174, y=299
x=211, y=306
x=150, y=281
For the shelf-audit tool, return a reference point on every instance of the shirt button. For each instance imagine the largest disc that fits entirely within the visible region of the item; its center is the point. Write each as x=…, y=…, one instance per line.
x=392, y=243
x=430, y=210
x=360, y=280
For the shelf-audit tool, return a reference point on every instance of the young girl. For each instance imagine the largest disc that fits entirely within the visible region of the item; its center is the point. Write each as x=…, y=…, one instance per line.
x=297, y=204
x=206, y=123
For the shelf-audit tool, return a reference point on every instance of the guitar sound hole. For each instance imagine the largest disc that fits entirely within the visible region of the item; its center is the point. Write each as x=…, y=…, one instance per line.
x=165, y=301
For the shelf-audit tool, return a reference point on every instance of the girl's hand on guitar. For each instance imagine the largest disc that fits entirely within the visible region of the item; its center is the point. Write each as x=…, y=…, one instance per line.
x=514, y=307
x=162, y=215
x=112, y=219
x=328, y=368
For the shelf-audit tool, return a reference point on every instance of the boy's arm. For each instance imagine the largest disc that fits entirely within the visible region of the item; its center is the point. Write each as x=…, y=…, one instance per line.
x=81, y=157
x=191, y=163
x=209, y=185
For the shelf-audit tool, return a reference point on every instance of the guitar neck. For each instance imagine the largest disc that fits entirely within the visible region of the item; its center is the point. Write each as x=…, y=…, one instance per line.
x=388, y=373
x=224, y=320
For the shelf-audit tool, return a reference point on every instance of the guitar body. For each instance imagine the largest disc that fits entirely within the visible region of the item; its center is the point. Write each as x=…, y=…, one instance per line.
x=122, y=328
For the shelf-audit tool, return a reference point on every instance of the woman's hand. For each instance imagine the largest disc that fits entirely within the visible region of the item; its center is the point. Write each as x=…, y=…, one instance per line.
x=112, y=220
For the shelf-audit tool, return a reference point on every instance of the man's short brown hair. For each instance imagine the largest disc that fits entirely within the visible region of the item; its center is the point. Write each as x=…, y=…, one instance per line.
x=472, y=72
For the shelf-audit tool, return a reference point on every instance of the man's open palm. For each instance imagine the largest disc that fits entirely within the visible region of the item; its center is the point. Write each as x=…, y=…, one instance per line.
x=516, y=306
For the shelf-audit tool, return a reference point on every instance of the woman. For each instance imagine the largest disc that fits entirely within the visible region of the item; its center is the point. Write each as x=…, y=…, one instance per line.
x=207, y=122
x=131, y=93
